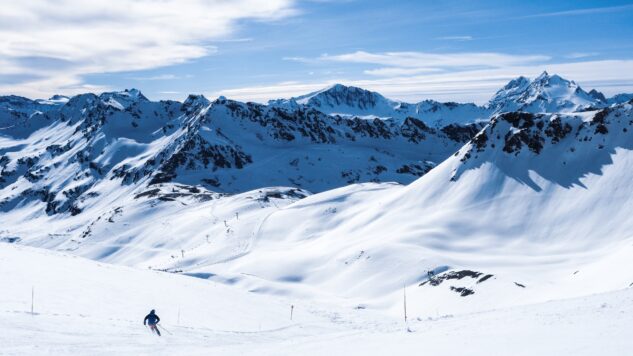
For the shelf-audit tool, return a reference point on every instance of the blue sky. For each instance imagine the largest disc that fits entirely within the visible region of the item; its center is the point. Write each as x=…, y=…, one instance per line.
x=258, y=50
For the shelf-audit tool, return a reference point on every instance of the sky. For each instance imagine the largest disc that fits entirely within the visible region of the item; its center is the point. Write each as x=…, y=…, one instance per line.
x=257, y=50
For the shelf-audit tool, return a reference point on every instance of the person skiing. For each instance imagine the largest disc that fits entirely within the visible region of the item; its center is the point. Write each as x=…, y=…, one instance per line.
x=152, y=320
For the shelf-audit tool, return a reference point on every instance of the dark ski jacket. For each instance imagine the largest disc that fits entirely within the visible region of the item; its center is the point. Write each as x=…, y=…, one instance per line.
x=151, y=318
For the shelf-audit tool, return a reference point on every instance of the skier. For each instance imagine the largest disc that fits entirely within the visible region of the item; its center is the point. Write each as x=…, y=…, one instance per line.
x=152, y=320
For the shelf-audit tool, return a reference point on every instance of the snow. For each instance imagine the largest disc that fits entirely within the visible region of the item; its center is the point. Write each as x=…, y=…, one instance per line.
x=518, y=241
x=83, y=307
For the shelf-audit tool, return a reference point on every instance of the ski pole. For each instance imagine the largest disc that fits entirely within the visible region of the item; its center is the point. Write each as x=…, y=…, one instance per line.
x=167, y=331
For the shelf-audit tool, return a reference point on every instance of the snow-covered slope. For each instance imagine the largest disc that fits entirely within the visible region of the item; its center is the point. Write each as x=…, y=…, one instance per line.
x=82, y=307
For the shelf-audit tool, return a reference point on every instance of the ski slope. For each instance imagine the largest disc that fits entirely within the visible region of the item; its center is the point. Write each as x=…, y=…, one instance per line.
x=82, y=307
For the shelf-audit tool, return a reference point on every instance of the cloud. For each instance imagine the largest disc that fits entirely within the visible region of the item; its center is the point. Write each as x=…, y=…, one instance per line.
x=577, y=55
x=610, y=76
x=436, y=60
x=396, y=71
x=162, y=77
x=455, y=38
x=100, y=36
x=587, y=11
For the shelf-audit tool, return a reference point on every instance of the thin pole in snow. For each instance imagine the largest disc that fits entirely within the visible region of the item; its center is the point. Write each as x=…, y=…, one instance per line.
x=292, y=308
x=32, y=299
x=404, y=293
x=178, y=316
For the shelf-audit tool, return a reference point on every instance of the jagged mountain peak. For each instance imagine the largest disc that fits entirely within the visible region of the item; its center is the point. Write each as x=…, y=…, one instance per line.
x=518, y=82
x=545, y=93
x=197, y=100
x=545, y=79
x=597, y=95
x=123, y=99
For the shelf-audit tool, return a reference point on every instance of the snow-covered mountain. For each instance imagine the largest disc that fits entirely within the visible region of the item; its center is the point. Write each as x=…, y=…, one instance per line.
x=543, y=94
x=522, y=208
x=497, y=224
x=60, y=154
x=546, y=93
x=349, y=101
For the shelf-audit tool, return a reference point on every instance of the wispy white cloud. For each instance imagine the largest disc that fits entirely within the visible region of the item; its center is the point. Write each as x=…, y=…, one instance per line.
x=100, y=36
x=455, y=38
x=587, y=11
x=399, y=71
x=610, y=76
x=577, y=55
x=436, y=60
x=162, y=77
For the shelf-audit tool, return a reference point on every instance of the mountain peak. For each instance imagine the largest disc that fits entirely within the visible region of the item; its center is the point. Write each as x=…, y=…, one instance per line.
x=339, y=98
x=58, y=97
x=545, y=93
x=197, y=100
x=123, y=99
x=597, y=95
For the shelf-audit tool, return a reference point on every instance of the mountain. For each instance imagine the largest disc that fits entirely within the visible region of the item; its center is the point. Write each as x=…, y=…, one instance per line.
x=514, y=217
x=543, y=94
x=288, y=200
x=60, y=156
x=620, y=99
x=546, y=93
x=349, y=101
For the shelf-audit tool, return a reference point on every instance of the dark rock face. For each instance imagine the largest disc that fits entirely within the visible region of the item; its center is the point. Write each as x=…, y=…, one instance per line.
x=525, y=130
x=415, y=130
x=463, y=291
x=556, y=130
x=457, y=275
x=599, y=121
x=461, y=133
x=415, y=169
